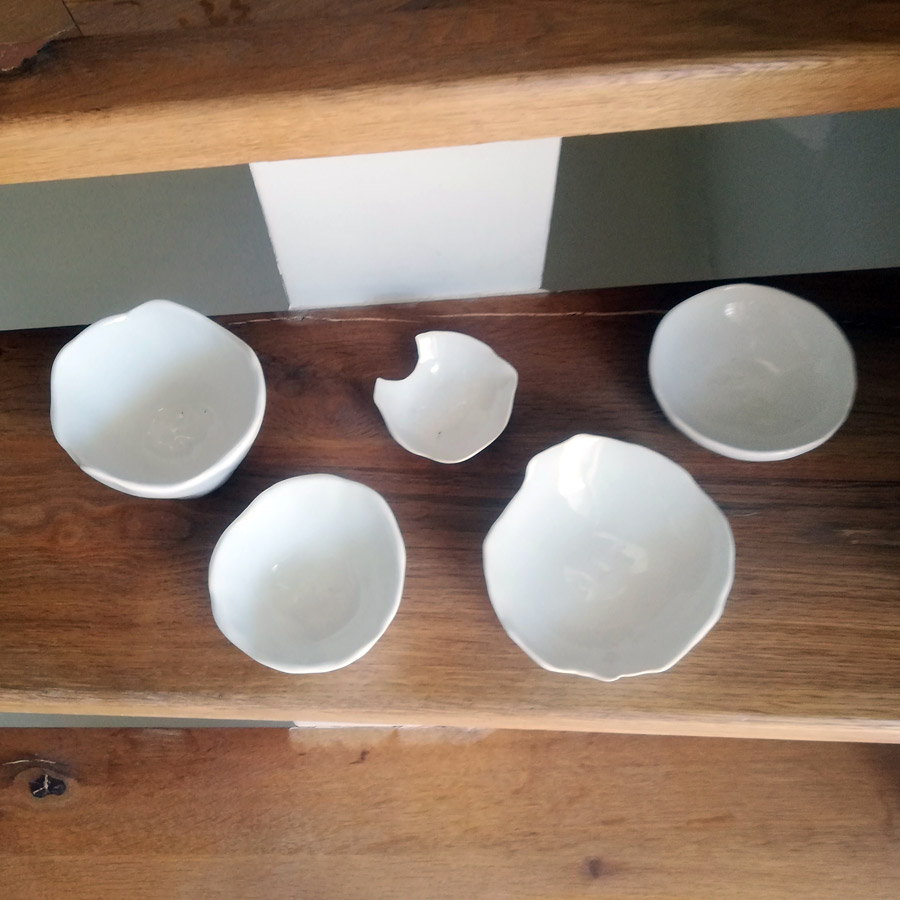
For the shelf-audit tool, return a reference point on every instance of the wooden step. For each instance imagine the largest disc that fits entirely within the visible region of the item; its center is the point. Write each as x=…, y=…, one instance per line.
x=156, y=89
x=372, y=813
x=103, y=597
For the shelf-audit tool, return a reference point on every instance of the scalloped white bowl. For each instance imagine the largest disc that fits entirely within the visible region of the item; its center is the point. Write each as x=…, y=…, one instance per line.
x=157, y=402
x=752, y=372
x=610, y=560
x=456, y=402
x=310, y=575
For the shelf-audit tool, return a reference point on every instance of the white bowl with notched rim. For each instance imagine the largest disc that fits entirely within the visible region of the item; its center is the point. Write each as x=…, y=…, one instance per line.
x=752, y=372
x=310, y=575
x=610, y=560
x=157, y=402
x=456, y=402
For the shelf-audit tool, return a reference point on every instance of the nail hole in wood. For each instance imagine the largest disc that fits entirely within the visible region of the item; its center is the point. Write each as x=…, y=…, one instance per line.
x=46, y=785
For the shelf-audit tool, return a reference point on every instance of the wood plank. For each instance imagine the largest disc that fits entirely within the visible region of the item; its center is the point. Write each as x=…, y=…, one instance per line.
x=479, y=72
x=156, y=815
x=115, y=17
x=103, y=598
x=26, y=25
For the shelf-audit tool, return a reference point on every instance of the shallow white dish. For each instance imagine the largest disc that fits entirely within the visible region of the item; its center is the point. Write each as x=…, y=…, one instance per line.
x=157, y=402
x=609, y=561
x=752, y=372
x=309, y=576
x=455, y=403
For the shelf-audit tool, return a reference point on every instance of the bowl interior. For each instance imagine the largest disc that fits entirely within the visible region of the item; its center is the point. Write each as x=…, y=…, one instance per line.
x=609, y=561
x=753, y=368
x=456, y=401
x=310, y=576
x=156, y=396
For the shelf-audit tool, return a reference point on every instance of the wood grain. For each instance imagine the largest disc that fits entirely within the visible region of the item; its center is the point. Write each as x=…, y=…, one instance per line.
x=103, y=598
x=26, y=25
x=468, y=74
x=369, y=814
x=115, y=17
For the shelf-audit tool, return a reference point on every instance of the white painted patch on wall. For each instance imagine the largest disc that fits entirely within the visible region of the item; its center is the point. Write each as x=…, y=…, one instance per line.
x=414, y=225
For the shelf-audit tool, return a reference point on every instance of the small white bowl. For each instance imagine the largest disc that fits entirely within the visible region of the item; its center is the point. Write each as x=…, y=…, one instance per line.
x=752, y=372
x=158, y=402
x=609, y=561
x=455, y=403
x=309, y=576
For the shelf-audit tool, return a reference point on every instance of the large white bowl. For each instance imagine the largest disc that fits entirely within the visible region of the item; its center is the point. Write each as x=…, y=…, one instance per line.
x=609, y=561
x=309, y=576
x=455, y=403
x=157, y=402
x=752, y=372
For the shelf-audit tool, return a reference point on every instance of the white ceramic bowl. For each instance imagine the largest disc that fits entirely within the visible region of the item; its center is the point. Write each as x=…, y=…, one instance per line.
x=157, y=402
x=609, y=561
x=455, y=403
x=309, y=576
x=752, y=372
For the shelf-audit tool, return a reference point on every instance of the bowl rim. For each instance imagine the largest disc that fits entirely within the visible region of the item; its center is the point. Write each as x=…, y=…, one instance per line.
x=504, y=364
x=716, y=610
x=384, y=621
x=723, y=448
x=225, y=463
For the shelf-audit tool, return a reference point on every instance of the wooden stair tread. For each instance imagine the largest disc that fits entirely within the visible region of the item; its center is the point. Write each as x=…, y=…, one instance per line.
x=439, y=813
x=103, y=597
x=288, y=80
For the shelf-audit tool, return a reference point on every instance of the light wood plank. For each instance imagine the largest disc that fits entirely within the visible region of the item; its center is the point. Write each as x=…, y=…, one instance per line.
x=158, y=815
x=481, y=72
x=103, y=597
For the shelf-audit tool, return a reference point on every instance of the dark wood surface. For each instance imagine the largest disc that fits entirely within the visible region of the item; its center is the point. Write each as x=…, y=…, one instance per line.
x=95, y=17
x=103, y=598
x=27, y=25
x=370, y=814
x=256, y=88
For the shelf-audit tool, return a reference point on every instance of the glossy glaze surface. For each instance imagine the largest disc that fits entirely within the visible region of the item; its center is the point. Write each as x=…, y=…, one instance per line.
x=752, y=372
x=456, y=402
x=310, y=575
x=158, y=402
x=610, y=560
